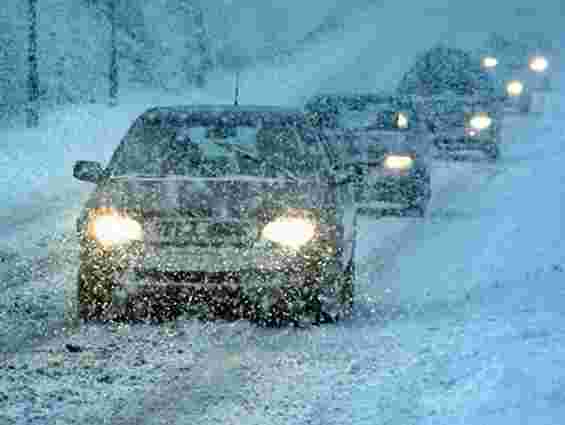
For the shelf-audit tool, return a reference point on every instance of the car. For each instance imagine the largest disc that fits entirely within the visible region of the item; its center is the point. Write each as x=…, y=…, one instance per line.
x=398, y=178
x=521, y=68
x=458, y=100
x=244, y=211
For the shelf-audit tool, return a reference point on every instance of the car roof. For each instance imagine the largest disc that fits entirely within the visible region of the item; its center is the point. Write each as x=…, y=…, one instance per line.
x=351, y=101
x=222, y=115
x=349, y=98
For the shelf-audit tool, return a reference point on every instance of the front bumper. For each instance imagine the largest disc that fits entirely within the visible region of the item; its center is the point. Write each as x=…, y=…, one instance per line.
x=192, y=266
x=401, y=190
x=464, y=143
x=517, y=105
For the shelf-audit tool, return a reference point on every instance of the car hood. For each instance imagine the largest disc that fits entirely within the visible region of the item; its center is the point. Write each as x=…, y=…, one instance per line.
x=397, y=142
x=223, y=197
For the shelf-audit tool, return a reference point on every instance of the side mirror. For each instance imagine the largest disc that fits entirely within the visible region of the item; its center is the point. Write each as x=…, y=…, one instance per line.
x=88, y=171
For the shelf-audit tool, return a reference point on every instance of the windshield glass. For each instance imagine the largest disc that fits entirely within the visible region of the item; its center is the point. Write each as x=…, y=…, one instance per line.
x=376, y=115
x=165, y=149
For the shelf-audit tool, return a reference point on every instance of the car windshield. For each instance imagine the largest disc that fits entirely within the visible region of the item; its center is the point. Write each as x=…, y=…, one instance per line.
x=156, y=149
x=374, y=115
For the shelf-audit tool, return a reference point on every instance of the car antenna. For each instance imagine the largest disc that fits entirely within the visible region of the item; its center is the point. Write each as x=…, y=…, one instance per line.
x=236, y=97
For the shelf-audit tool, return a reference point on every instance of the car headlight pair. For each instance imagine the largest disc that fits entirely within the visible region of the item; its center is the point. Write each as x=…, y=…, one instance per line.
x=536, y=64
x=112, y=228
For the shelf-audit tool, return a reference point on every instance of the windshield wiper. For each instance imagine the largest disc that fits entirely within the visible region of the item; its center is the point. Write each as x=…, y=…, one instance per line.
x=258, y=160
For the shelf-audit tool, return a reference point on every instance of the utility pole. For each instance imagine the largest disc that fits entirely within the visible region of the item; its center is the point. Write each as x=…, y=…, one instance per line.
x=113, y=72
x=32, y=108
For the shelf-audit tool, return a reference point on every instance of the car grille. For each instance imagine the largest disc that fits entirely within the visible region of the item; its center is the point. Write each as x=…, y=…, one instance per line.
x=183, y=277
x=184, y=233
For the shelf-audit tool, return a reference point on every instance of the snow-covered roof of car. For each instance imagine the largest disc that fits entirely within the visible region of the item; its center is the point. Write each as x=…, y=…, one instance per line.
x=206, y=115
x=349, y=99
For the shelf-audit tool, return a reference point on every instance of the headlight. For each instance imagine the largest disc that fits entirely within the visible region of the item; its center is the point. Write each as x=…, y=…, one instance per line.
x=401, y=120
x=489, y=62
x=111, y=228
x=291, y=232
x=398, y=162
x=515, y=88
x=480, y=122
x=538, y=64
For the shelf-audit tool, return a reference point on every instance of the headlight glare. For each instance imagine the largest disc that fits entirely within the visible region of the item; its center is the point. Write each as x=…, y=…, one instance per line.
x=291, y=232
x=111, y=229
x=538, y=64
x=480, y=122
x=401, y=120
x=515, y=88
x=398, y=162
x=489, y=62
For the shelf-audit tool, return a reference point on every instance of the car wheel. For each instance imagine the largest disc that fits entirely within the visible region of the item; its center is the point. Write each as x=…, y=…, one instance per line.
x=418, y=210
x=280, y=306
x=525, y=107
x=347, y=291
x=337, y=303
x=492, y=151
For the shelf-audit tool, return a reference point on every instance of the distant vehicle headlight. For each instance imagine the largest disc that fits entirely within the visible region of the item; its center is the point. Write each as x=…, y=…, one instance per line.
x=489, y=62
x=515, y=88
x=398, y=162
x=480, y=122
x=110, y=228
x=538, y=64
x=291, y=232
x=401, y=120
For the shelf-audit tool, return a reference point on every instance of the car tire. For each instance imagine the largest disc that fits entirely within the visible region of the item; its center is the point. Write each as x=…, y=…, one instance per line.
x=421, y=201
x=274, y=306
x=492, y=151
x=94, y=294
x=347, y=292
x=525, y=106
x=344, y=296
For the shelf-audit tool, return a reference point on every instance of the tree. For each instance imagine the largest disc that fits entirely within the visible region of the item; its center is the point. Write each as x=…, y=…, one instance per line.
x=113, y=72
x=442, y=69
x=202, y=49
x=33, y=75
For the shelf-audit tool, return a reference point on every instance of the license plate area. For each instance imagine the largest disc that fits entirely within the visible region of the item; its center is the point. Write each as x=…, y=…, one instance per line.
x=185, y=233
x=378, y=173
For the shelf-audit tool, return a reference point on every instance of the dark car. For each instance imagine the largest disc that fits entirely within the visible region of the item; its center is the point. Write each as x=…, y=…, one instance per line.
x=398, y=165
x=459, y=100
x=246, y=204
